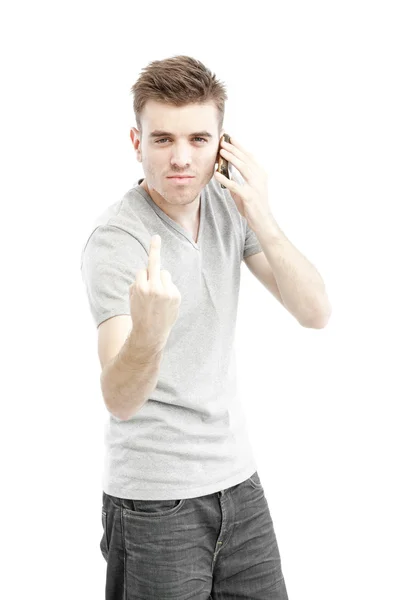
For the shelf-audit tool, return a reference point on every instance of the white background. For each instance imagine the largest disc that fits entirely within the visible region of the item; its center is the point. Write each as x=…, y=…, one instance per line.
x=314, y=93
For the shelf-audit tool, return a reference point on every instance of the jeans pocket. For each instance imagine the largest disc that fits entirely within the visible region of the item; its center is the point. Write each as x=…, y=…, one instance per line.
x=104, y=539
x=255, y=480
x=152, y=508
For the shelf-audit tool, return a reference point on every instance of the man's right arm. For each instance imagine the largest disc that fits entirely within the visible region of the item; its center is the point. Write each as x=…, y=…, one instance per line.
x=129, y=378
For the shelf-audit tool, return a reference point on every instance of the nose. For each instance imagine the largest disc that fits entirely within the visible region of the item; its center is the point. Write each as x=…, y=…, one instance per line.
x=181, y=157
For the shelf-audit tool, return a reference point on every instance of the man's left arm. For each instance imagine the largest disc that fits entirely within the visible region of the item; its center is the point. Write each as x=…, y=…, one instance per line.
x=300, y=285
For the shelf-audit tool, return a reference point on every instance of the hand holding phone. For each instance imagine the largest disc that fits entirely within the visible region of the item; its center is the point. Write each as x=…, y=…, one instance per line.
x=222, y=162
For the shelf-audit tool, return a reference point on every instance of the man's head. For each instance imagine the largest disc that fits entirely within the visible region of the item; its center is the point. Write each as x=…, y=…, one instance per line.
x=179, y=108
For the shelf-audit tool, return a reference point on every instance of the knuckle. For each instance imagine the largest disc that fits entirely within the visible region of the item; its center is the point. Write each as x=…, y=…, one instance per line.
x=176, y=295
x=154, y=289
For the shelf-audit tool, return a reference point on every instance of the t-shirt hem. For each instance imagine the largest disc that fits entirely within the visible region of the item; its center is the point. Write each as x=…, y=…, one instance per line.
x=109, y=314
x=173, y=493
x=255, y=249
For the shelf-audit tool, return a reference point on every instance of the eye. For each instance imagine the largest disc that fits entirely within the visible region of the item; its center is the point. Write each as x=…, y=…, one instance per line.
x=195, y=138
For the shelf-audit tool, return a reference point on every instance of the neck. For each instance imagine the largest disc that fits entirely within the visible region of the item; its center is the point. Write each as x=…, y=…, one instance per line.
x=187, y=215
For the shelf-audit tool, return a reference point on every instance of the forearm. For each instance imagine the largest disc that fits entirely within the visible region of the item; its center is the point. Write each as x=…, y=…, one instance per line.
x=301, y=286
x=128, y=380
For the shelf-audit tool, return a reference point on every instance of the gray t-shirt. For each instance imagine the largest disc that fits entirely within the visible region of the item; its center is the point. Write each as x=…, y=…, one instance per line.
x=190, y=438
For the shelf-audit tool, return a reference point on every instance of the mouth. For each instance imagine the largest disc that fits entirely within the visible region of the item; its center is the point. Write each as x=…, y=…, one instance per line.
x=180, y=179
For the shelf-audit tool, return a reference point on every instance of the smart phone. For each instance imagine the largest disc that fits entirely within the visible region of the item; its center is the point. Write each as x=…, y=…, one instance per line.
x=222, y=162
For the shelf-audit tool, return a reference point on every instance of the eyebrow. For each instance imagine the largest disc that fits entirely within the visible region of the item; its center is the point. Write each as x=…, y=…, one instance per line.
x=158, y=133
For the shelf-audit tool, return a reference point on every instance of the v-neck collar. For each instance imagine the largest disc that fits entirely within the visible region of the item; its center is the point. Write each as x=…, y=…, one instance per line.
x=170, y=221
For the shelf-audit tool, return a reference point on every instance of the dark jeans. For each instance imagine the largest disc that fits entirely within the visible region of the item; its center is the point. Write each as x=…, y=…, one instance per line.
x=220, y=546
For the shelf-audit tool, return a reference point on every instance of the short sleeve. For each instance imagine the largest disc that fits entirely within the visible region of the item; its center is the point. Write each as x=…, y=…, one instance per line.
x=109, y=263
x=251, y=243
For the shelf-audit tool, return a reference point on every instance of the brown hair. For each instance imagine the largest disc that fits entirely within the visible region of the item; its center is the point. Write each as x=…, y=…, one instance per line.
x=179, y=80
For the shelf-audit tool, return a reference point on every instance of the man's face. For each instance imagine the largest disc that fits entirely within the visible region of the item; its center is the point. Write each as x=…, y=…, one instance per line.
x=181, y=152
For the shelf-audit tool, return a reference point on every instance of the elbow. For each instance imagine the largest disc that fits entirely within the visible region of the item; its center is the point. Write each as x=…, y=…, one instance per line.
x=314, y=325
x=109, y=404
x=318, y=320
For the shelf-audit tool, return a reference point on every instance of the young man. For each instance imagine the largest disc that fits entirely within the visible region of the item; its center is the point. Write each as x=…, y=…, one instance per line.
x=184, y=512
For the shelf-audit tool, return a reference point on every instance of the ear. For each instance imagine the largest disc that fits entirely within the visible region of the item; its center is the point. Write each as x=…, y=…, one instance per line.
x=135, y=137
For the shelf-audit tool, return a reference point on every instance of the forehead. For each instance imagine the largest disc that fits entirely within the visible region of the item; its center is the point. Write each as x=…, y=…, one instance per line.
x=160, y=115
